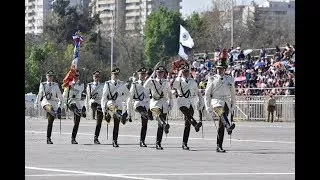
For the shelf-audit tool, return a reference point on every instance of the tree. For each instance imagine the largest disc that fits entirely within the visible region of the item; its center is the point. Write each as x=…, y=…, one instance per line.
x=161, y=33
x=196, y=26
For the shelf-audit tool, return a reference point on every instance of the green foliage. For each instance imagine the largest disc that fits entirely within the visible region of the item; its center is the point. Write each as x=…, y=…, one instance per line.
x=161, y=32
x=196, y=26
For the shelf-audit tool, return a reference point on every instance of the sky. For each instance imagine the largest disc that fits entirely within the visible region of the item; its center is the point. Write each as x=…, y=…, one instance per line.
x=188, y=6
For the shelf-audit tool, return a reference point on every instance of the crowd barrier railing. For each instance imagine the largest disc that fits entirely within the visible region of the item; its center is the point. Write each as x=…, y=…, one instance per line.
x=248, y=108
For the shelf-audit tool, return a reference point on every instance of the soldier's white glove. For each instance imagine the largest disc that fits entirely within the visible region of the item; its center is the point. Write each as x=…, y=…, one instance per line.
x=91, y=101
x=59, y=104
x=35, y=106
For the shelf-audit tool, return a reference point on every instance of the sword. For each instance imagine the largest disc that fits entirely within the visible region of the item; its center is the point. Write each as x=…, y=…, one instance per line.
x=214, y=121
x=107, y=130
x=59, y=116
x=200, y=116
x=167, y=123
x=231, y=120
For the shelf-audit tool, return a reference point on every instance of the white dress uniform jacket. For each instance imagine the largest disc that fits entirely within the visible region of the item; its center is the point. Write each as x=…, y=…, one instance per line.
x=139, y=96
x=160, y=93
x=220, y=90
x=72, y=94
x=49, y=93
x=94, y=93
x=188, y=92
x=114, y=93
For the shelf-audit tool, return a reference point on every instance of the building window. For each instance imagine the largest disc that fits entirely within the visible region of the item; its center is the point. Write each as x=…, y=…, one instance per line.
x=289, y=6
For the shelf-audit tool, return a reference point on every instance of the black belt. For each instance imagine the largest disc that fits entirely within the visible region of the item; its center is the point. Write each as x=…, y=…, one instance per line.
x=157, y=98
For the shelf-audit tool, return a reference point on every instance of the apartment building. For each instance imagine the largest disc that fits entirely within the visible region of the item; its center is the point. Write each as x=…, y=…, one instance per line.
x=274, y=11
x=129, y=15
x=36, y=10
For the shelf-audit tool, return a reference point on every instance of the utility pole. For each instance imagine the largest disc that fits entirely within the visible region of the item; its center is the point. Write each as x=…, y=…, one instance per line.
x=112, y=35
x=231, y=23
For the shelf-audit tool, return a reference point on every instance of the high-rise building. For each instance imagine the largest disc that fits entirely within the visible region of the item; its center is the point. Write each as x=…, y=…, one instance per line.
x=274, y=11
x=36, y=10
x=129, y=15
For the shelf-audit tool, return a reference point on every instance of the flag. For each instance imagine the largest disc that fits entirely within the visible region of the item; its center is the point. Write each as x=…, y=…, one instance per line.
x=182, y=53
x=185, y=38
x=77, y=39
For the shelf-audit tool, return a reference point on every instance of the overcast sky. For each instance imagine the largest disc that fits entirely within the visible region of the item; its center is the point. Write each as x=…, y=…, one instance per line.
x=188, y=6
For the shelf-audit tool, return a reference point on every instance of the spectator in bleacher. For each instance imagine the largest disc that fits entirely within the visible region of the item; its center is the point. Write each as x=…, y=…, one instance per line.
x=263, y=52
x=241, y=56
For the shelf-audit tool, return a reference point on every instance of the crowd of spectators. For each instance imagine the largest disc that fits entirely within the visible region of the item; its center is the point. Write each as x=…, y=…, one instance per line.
x=254, y=75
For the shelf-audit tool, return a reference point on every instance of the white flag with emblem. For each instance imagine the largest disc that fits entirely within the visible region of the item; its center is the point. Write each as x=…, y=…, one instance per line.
x=182, y=53
x=185, y=38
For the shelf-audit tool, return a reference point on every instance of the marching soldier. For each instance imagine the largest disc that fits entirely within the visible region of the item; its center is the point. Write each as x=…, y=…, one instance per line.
x=220, y=98
x=139, y=101
x=72, y=96
x=115, y=93
x=93, y=101
x=160, y=102
x=187, y=90
x=50, y=99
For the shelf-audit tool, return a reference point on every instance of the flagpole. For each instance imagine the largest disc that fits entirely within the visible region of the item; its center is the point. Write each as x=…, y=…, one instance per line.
x=231, y=23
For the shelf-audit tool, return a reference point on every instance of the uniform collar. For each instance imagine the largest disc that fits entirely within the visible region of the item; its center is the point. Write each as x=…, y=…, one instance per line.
x=113, y=81
x=96, y=83
x=185, y=79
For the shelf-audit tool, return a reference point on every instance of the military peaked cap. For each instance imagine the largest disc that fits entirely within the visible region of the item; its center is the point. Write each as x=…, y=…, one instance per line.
x=77, y=73
x=96, y=73
x=160, y=68
x=50, y=72
x=184, y=67
x=221, y=64
x=116, y=70
x=142, y=70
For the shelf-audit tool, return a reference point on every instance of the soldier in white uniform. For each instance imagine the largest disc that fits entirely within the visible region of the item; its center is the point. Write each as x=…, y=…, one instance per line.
x=93, y=101
x=220, y=98
x=72, y=97
x=138, y=101
x=188, y=100
x=160, y=101
x=113, y=102
x=50, y=98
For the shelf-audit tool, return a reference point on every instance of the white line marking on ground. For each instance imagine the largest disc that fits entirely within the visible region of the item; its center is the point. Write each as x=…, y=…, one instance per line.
x=88, y=173
x=135, y=136
x=54, y=175
x=208, y=174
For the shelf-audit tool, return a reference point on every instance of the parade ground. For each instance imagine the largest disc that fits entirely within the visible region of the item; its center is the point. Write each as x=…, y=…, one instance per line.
x=257, y=151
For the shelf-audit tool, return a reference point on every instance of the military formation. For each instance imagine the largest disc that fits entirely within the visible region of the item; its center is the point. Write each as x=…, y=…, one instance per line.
x=149, y=95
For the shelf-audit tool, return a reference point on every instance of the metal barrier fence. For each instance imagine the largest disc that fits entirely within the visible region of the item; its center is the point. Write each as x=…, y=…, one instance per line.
x=248, y=108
